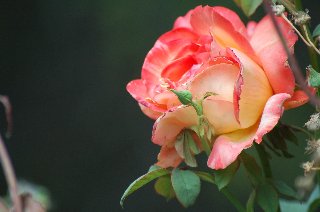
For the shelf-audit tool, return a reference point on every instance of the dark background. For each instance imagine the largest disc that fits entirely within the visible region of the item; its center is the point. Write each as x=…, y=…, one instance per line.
x=65, y=65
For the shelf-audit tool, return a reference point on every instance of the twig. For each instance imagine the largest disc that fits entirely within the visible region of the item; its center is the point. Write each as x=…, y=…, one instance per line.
x=295, y=29
x=291, y=59
x=10, y=177
x=309, y=40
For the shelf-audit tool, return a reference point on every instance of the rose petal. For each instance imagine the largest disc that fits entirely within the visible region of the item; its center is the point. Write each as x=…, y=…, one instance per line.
x=271, y=114
x=227, y=147
x=149, y=112
x=254, y=90
x=224, y=25
x=139, y=90
x=299, y=98
x=168, y=157
x=178, y=68
x=218, y=78
x=251, y=26
x=177, y=34
x=267, y=45
x=183, y=21
x=220, y=115
x=170, y=124
x=164, y=54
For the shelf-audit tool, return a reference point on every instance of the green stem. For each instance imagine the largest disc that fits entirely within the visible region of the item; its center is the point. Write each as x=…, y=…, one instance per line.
x=264, y=160
x=301, y=130
x=312, y=53
x=236, y=203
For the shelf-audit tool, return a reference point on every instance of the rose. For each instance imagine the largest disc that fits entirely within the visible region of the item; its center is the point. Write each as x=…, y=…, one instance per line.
x=210, y=50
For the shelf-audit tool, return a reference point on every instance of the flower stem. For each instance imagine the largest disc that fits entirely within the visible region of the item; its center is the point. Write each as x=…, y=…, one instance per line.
x=236, y=203
x=264, y=160
x=10, y=177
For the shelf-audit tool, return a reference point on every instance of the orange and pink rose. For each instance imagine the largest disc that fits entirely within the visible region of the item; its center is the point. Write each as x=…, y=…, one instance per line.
x=211, y=50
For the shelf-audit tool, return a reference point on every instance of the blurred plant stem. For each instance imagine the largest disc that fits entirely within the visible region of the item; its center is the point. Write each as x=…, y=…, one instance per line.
x=10, y=177
x=234, y=201
x=264, y=160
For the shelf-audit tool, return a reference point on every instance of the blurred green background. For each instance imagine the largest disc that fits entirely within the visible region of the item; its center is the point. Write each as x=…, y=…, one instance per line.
x=65, y=65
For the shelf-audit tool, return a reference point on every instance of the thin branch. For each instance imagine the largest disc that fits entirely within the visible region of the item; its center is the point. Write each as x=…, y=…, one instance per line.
x=309, y=40
x=295, y=29
x=291, y=59
x=10, y=177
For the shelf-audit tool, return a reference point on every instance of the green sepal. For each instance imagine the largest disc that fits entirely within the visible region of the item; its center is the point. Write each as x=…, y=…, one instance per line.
x=164, y=187
x=141, y=181
x=313, y=77
x=224, y=176
x=186, y=185
x=316, y=31
x=185, y=97
x=248, y=6
x=267, y=197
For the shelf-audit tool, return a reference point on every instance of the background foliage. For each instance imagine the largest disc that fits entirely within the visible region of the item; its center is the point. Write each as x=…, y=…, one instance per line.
x=65, y=65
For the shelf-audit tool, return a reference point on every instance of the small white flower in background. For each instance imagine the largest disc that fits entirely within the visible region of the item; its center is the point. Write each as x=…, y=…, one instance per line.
x=307, y=166
x=314, y=123
x=312, y=146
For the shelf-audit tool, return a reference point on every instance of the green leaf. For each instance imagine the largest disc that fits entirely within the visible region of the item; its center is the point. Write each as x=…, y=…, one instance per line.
x=277, y=140
x=315, y=205
x=252, y=168
x=178, y=145
x=204, y=176
x=189, y=157
x=192, y=143
x=141, y=181
x=223, y=177
x=250, y=202
x=185, y=97
x=248, y=6
x=153, y=168
x=186, y=185
x=316, y=31
x=288, y=134
x=267, y=197
x=284, y=189
x=185, y=147
x=164, y=187
x=313, y=77
x=271, y=148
